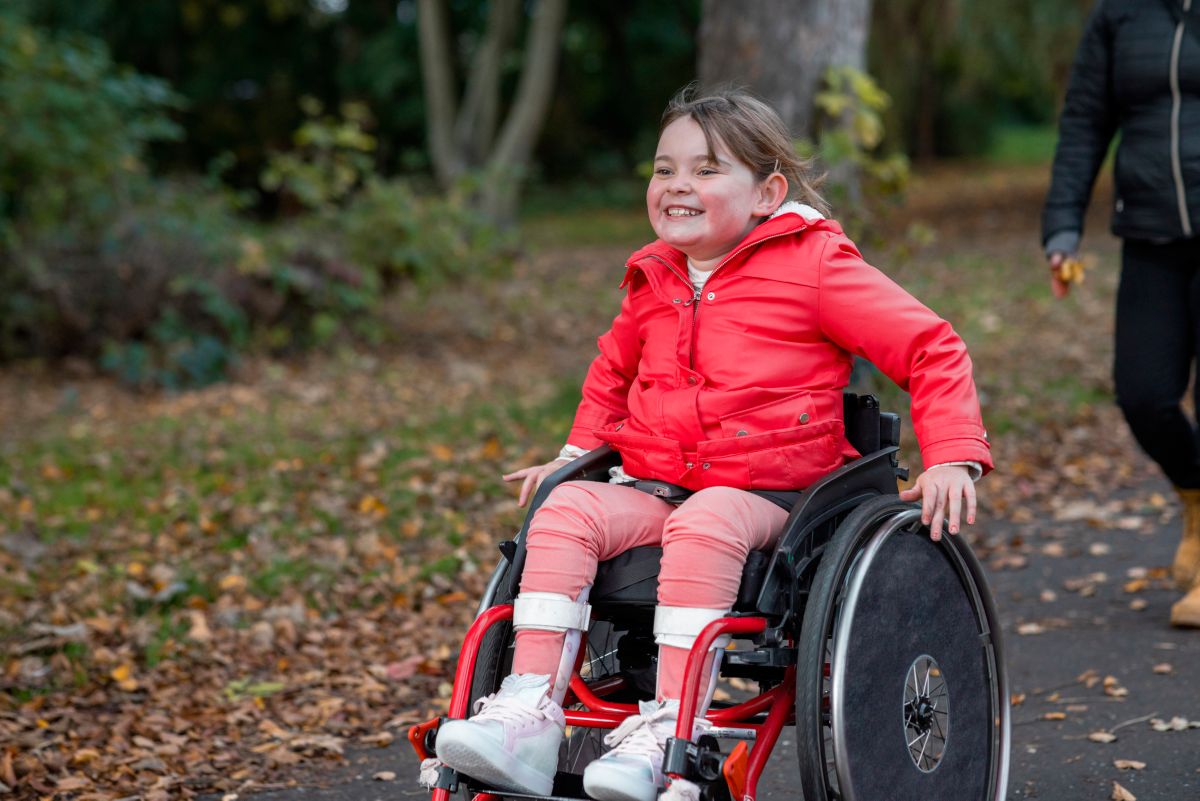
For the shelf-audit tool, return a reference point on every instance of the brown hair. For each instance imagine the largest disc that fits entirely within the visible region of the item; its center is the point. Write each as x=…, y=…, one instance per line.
x=753, y=133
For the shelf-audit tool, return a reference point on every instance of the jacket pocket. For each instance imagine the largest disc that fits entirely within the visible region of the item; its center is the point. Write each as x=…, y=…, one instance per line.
x=643, y=455
x=787, y=458
x=792, y=411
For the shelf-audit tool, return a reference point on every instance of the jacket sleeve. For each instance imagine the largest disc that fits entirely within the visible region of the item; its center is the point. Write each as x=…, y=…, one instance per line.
x=1086, y=127
x=868, y=314
x=606, y=387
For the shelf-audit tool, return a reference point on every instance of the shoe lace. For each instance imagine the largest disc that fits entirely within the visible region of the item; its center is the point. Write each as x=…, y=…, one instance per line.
x=507, y=710
x=643, y=734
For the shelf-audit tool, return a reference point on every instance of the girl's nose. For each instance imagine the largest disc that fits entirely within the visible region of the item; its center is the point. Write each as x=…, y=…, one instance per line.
x=680, y=183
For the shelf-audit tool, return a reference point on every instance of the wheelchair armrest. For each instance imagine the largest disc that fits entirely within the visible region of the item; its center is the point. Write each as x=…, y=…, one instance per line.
x=592, y=466
x=825, y=501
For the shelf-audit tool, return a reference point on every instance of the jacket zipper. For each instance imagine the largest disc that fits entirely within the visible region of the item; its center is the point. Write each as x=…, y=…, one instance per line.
x=694, y=302
x=1176, y=103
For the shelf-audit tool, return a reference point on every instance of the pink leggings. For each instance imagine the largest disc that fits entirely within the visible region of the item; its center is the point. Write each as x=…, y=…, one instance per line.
x=705, y=541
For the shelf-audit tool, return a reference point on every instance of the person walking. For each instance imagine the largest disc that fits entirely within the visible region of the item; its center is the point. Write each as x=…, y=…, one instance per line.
x=1137, y=74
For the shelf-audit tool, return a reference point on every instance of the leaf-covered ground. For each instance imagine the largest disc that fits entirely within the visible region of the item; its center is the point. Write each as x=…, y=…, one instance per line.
x=216, y=591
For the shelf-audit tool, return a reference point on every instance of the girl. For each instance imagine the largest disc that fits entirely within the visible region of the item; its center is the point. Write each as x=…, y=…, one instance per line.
x=723, y=373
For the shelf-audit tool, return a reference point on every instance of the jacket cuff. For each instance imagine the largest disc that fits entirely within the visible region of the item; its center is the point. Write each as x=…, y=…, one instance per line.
x=1062, y=242
x=960, y=451
x=974, y=469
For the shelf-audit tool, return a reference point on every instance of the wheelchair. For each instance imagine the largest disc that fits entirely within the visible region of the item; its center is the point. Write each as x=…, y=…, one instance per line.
x=881, y=647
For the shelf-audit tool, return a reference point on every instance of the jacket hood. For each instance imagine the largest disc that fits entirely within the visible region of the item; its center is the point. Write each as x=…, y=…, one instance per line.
x=792, y=217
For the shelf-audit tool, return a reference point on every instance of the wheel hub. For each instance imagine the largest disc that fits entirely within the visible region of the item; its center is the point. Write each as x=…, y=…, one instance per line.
x=926, y=713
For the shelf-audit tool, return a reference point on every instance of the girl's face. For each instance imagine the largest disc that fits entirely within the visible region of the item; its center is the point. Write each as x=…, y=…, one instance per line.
x=701, y=206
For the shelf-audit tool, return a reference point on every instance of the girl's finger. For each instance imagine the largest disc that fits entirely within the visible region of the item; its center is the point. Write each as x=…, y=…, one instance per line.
x=955, y=510
x=939, y=512
x=970, y=493
x=525, y=491
x=928, y=499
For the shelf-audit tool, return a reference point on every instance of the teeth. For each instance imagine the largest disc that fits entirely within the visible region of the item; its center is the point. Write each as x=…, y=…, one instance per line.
x=677, y=212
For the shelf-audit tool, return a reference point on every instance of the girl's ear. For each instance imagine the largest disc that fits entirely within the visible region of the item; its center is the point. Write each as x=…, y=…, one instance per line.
x=771, y=193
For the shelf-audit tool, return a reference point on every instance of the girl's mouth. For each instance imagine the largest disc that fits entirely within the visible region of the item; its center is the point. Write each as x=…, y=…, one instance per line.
x=679, y=211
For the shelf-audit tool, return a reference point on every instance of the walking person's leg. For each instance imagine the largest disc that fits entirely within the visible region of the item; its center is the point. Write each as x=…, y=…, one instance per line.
x=1157, y=339
x=705, y=545
x=512, y=741
x=1186, y=566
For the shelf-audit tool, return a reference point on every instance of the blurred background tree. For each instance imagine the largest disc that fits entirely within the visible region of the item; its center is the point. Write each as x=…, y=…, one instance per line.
x=184, y=179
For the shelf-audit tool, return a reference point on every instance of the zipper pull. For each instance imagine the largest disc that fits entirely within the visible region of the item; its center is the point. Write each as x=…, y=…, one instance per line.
x=695, y=298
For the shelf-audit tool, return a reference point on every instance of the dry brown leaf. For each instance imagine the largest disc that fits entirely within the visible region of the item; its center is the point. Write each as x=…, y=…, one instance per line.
x=1030, y=628
x=1163, y=668
x=1119, y=793
x=1054, y=716
x=1128, y=764
x=1102, y=737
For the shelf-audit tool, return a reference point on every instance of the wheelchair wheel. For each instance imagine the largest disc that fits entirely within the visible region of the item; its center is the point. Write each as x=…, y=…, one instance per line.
x=901, y=689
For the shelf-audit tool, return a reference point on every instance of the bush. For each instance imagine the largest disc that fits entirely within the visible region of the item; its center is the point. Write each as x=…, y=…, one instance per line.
x=75, y=127
x=404, y=238
x=163, y=283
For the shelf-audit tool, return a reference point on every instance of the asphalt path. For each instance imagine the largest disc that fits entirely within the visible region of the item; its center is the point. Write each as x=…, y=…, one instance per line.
x=1088, y=650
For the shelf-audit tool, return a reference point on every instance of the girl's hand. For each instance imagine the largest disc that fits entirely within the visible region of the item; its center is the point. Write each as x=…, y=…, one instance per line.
x=1058, y=286
x=942, y=489
x=532, y=478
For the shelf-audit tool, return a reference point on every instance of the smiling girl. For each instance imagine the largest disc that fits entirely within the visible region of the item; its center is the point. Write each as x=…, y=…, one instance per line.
x=723, y=373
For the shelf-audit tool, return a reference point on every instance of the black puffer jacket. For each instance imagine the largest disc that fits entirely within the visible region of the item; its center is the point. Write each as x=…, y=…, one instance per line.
x=1137, y=71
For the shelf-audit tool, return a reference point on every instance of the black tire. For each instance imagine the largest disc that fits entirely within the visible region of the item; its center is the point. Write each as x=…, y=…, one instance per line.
x=915, y=703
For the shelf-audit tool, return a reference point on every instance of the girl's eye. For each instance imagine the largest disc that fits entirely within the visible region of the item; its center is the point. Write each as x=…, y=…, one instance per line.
x=706, y=171
x=662, y=171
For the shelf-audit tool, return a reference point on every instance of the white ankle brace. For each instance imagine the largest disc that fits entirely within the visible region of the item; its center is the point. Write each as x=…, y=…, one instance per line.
x=551, y=611
x=679, y=626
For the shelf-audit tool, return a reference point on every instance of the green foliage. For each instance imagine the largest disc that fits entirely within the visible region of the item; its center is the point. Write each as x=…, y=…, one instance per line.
x=850, y=135
x=330, y=158
x=164, y=282
x=961, y=71
x=402, y=237
x=75, y=129
x=852, y=131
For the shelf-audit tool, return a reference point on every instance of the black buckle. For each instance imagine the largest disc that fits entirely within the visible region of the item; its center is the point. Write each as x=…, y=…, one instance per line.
x=671, y=493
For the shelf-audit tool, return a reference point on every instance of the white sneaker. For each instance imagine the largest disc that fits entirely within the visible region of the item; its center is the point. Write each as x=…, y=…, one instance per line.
x=511, y=742
x=632, y=770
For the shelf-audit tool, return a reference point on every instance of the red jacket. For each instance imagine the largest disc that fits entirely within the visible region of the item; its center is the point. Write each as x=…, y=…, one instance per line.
x=741, y=384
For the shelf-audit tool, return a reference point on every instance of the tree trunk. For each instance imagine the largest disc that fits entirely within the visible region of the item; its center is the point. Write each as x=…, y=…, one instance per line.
x=437, y=75
x=510, y=159
x=466, y=138
x=781, y=50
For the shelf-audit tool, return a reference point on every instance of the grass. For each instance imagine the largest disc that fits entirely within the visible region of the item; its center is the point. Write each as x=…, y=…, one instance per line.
x=1023, y=144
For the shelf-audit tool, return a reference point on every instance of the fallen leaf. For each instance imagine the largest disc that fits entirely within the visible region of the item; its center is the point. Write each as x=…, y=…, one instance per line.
x=198, y=630
x=1054, y=716
x=1128, y=764
x=1176, y=723
x=1017, y=699
x=1119, y=793
x=1163, y=668
x=1030, y=628
x=232, y=583
x=1102, y=737
x=384, y=776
